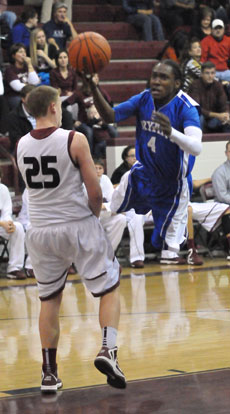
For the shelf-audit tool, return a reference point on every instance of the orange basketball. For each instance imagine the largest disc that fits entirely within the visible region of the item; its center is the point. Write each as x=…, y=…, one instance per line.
x=89, y=52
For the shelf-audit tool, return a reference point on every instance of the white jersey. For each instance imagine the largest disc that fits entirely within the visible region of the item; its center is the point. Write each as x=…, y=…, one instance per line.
x=53, y=179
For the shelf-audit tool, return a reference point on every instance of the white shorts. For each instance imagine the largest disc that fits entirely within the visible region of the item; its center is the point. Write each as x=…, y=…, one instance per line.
x=208, y=214
x=53, y=249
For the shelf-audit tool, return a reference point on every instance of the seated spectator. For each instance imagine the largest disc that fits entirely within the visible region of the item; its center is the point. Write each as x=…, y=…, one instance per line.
x=59, y=29
x=5, y=15
x=202, y=24
x=23, y=218
x=63, y=77
x=42, y=55
x=4, y=109
x=175, y=47
x=89, y=121
x=19, y=73
x=13, y=231
x=23, y=27
x=176, y=13
x=216, y=48
x=220, y=179
x=46, y=10
x=192, y=66
x=113, y=224
x=140, y=14
x=129, y=158
x=210, y=215
x=135, y=222
x=210, y=94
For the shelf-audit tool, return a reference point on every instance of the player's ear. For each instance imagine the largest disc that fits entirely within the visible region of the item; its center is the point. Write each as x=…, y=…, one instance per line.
x=52, y=108
x=178, y=83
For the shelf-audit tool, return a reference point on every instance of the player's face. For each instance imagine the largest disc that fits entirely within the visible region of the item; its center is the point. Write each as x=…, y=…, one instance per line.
x=60, y=14
x=208, y=75
x=99, y=170
x=131, y=157
x=63, y=60
x=195, y=50
x=41, y=38
x=163, y=84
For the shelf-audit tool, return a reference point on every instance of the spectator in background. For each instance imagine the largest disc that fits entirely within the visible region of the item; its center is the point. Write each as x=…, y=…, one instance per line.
x=129, y=158
x=21, y=122
x=5, y=15
x=191, y=68
x=19, y=73
x=42, y=55
x=59, y=29
x=23, y=26
x=176, y=13
x=63, y=76
x=140, y=14
x=210, y=94
x=135, y=222
x=221, y=181
x=46, y=10
x=12, y=231
x=176, y=47
x=89, y=121
x=202, y=24
x=216, y=48
x=113, y=224
x=3, y=108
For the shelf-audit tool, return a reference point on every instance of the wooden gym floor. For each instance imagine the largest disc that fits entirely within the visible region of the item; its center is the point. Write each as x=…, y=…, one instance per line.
x=174, y=341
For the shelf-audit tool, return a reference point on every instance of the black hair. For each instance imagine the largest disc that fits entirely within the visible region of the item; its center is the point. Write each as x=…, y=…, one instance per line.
x=58, y=54
x=14, y=49
x=126, y=150
x=99, y=161
x=226, y=146
x=28, y=13
x=207, y=65
x=175, y=68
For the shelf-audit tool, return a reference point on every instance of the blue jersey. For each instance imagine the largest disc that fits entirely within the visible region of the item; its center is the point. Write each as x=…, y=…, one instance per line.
x=161, y=157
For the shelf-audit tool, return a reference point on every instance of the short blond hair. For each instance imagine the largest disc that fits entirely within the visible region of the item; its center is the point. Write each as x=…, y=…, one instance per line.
x=39, y=100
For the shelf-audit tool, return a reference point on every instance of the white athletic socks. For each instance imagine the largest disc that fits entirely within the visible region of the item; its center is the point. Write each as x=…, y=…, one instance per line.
x=109, y=337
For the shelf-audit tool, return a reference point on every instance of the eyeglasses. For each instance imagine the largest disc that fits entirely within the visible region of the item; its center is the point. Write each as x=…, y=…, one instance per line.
x=131, y=156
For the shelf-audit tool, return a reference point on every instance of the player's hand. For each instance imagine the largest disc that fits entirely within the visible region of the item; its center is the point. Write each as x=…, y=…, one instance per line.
x=9, y=226
x=163, y=122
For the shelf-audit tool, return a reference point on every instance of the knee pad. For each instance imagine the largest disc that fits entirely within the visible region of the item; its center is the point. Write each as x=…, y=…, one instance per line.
x=226, y=223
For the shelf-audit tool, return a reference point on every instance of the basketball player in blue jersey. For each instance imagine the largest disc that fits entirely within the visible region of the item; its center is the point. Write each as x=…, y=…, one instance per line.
x=168, y=137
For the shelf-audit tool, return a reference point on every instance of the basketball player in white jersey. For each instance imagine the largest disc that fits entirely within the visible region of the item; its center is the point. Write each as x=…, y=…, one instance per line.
x=65, y=229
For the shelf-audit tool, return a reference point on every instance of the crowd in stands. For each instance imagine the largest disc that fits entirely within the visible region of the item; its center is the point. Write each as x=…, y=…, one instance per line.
x=36, y=53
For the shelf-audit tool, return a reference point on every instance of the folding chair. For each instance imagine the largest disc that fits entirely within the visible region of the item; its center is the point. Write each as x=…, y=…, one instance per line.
x=5, y=252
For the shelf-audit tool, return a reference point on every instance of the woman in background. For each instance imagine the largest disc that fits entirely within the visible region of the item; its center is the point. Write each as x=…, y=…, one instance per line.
x=42, y=55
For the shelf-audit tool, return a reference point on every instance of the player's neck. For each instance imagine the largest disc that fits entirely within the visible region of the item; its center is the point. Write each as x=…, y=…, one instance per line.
x=45, y=123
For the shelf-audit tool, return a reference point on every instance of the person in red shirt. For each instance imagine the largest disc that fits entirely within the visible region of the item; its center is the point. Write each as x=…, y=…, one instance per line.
x=216, y=49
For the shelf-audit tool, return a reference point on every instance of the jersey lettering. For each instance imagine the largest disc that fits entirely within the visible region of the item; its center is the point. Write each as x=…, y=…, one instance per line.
x=43, y=166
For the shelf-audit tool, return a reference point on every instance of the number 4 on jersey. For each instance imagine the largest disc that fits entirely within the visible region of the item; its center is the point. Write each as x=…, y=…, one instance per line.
x=152, y=144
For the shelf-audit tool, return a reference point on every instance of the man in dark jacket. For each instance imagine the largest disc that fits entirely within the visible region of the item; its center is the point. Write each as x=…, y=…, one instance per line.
x=210, y=94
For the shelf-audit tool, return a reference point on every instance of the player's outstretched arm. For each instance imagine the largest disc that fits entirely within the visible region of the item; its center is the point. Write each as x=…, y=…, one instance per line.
x=80, y=152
